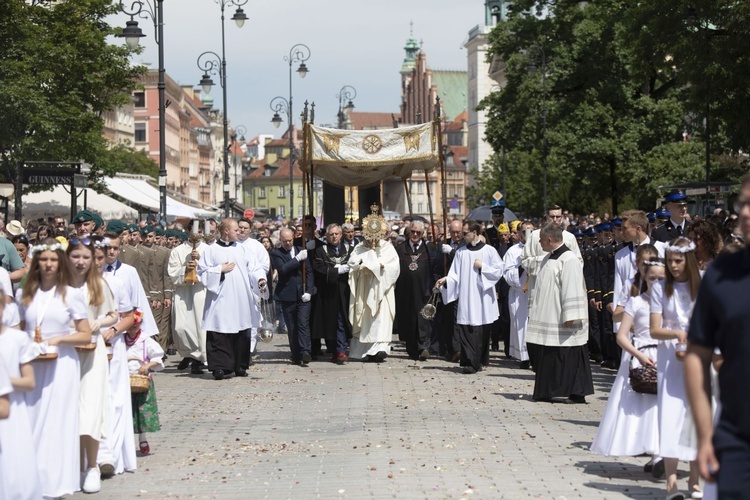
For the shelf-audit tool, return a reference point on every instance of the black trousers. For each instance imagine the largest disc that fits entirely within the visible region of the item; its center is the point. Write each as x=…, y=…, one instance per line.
x=421, y=339
x=733, y=453
x=611, y=351
x=229, y=352
x=448, y=330
x=475, y=345
x=297, y=319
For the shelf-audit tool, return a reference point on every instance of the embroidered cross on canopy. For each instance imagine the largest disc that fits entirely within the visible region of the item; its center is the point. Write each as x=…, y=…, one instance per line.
x=365, y=157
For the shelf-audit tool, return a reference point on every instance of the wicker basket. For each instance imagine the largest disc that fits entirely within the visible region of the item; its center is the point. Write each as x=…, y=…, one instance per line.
x=139, y=383
x=643, y=378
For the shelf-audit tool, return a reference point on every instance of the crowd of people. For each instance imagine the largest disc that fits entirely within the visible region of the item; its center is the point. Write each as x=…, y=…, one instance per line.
x=91, y=310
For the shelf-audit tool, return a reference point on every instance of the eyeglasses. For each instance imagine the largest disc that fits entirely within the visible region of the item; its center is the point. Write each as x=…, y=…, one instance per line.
x=415, y=232
x=80, y=241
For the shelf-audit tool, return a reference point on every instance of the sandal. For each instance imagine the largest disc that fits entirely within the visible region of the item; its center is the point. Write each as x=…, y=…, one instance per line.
x=144, y=447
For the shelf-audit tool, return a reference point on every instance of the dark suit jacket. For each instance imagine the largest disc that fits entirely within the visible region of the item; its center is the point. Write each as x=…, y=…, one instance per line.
x=289, y=287
x=666, y=232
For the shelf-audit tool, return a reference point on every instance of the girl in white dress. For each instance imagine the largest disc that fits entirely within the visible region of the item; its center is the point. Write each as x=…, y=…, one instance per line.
x=19, y=481
x=117, y=451
x=94, y=396
x=671, y=307
x=629, y=426
x=47, y=306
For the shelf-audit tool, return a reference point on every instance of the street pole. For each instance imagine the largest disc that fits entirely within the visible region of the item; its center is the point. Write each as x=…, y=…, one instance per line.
x=219, y=65
x=298, y=53
x=132, y=33
x=544, y=129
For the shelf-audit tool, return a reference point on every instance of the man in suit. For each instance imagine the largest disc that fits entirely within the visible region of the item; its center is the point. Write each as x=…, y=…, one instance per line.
x=676, y=225
x=294, y=295
x=331, y=317
x=450, y=345
x=421, y=267
x=498, y=217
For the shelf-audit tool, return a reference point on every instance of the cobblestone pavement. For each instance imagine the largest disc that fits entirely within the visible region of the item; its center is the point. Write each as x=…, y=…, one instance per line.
x=401, y=429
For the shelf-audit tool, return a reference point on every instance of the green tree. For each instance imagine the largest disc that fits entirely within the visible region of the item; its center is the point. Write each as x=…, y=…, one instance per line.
x=612, y=95
x=57, y=75
x=124, y=159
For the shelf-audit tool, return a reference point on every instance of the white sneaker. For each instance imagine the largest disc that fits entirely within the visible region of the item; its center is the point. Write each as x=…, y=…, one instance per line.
x=93, y=481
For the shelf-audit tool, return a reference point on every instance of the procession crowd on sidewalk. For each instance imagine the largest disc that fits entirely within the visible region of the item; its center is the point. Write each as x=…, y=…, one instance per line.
x=91, y=310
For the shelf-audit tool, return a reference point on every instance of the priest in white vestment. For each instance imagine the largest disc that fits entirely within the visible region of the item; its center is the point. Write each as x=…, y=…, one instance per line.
x=557, y=330
x=187, y=303
x=518, y=303
x=533, y=254
x=373, y=270
x=259, y=252
x=231, y=276
x=471, y=280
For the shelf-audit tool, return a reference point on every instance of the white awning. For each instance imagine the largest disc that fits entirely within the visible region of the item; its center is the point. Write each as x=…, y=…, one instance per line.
x=141, y=193
x=56, y=203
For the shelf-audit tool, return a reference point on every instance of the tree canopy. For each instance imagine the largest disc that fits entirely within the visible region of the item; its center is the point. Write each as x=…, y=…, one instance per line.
x=58, y=74
x=623, y=83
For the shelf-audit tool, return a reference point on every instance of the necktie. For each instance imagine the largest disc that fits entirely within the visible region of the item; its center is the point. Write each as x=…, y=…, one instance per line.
x=110, y=268
x=679, y=230
x=336, y=250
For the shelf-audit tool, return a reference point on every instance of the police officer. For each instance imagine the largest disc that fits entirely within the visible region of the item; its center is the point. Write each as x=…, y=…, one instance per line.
x=676, y=225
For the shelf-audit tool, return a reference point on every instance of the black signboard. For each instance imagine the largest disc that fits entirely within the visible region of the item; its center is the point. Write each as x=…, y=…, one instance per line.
x=43, y=176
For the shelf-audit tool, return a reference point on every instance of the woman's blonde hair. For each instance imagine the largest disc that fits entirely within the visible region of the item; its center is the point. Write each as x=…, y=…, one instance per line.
x=92, y=278
x=691, y=267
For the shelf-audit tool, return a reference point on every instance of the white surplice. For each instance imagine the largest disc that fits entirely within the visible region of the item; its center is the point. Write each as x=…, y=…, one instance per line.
x=133, y=288
x=230, y=304
x=372, y=305
x=518, y=303
x=474, y=289
x=187, y=304
x=532, y=256
x=559, y=296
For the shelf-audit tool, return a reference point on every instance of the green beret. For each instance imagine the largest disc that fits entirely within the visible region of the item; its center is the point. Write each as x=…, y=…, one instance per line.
x=133, y=228
x=116, y=226
x=98, y=221
x=159, y=231
x=182, y=235
x=146, y=230
x=83, y=216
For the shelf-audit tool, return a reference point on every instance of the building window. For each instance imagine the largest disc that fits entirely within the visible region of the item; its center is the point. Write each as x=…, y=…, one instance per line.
x=420, y=189
x=262, y=192
x=281, y=211
x=282, y=192
x=299, y=191
x=139, y=99
x=420, y=208
x=140, y=132
x=299, y=211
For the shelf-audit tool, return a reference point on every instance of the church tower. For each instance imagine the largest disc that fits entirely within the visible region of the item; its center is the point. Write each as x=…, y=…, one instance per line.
x=495, y=11
x=411, y=48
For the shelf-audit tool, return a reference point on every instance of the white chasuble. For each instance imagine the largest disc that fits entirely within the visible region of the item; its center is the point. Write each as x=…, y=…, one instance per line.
x=558, y=297
x=474, y=288
x=372, y=277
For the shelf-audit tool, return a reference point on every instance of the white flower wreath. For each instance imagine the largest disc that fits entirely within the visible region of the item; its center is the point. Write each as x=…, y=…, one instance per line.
x=44, y=247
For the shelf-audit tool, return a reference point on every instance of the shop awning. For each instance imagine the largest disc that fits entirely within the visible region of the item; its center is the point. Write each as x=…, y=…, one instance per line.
x=140, y=192
x=56, y=203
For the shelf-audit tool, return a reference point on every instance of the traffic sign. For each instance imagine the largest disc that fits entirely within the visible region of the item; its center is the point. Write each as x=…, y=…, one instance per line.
x=248, y=214
x=497, y=196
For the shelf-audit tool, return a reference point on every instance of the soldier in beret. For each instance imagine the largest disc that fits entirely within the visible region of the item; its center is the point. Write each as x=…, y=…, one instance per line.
x=84, y=222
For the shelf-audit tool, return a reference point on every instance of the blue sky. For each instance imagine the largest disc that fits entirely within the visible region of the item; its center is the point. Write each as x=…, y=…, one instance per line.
x=353, y=42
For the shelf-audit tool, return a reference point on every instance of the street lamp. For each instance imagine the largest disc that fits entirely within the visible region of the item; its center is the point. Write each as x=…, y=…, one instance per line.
x=132, y=34
x=299, y=53
x=345, y=97
x=239, y=133
x=210, y=63
x=544, y=123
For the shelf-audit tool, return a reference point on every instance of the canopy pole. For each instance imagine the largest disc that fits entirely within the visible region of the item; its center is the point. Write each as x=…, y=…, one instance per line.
x=429, y=206
x=305, y=129
x=441, y=156
x=408, y=198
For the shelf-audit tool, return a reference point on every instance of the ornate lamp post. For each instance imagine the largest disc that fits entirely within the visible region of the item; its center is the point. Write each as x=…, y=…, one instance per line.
x=132, y=34
x=345, y=96
x=299, y=53
x=239, y=133
x=211, y=64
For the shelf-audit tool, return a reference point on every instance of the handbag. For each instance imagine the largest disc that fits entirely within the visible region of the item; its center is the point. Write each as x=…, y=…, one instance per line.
x=643, y=378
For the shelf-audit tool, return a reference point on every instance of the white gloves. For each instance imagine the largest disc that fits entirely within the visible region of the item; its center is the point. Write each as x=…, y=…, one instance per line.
x=302, y=255
x=447, y=248
x=311, y=245
x=342, y=268
x=306, y=297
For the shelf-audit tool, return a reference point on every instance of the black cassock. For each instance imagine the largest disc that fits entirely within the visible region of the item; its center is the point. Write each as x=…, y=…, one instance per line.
x=419, y=272
x=332, y=292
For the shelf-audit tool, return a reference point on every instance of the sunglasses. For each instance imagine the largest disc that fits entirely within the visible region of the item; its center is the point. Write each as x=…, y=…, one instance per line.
x=415, y=232
x=80, y=241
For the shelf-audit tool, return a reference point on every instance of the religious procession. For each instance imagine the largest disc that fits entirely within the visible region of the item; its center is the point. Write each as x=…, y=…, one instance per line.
x=92, y=311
